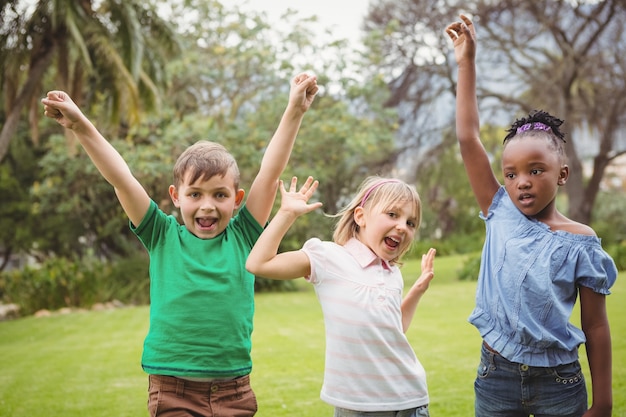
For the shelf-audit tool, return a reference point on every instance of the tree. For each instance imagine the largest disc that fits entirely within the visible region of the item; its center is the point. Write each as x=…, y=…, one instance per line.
x=404, y=45
x=118, y=48
x=230, y=86
x=566, y=57
x=16, y=176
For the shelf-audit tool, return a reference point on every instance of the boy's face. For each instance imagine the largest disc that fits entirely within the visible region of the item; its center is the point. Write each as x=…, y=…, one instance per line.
x=207, y=206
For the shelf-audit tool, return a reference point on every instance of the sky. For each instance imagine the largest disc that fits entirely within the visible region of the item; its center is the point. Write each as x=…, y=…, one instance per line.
x=343, y=16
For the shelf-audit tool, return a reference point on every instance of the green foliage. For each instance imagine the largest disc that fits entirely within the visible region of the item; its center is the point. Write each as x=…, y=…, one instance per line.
x=75, y=210
x=449, y=208
x=470, y=269
x=61, y=282
x=618, y=253
x=609, y=221
x=610, y=225
x=230, y=86
x=452, y=245
x=17, y=173
x=128, y=280
x=58, y=283
x=273, y=285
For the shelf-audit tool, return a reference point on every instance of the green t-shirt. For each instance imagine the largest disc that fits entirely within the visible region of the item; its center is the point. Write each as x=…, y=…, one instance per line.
x=201, y=297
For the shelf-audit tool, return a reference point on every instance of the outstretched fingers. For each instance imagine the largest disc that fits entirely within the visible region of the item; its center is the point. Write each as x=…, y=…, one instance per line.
x=428, y=272
x=428, y=261
x=296, y=200
x=309, y=187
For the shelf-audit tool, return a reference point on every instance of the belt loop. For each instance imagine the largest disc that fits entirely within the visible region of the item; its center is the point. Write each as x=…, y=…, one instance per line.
x=180, y=388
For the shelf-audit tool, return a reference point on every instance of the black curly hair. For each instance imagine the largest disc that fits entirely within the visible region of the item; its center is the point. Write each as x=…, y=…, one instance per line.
x=536, y=120
x=539, y=124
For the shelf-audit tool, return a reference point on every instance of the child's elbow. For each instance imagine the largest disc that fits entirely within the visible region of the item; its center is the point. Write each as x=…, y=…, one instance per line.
x=255, y=267
x=251, y=267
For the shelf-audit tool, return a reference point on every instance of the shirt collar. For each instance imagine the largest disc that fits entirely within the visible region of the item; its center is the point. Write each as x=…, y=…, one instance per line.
x=364, y=255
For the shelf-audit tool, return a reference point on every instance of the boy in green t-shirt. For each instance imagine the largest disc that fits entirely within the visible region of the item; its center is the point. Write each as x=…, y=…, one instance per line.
x=197, y=350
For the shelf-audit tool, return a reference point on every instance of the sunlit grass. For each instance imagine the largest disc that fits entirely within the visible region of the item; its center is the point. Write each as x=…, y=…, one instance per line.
x=88, y=363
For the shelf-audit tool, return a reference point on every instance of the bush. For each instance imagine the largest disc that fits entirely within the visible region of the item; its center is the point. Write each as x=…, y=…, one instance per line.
x=129, y=280
x=470, y=269
x=618, y=253
x=56, y=283
x=273, y=285
x=61, y=282
x=458, y=244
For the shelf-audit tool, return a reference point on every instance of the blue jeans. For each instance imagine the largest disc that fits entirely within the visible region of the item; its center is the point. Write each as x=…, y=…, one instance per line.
x=509, y=389
x=412, y=412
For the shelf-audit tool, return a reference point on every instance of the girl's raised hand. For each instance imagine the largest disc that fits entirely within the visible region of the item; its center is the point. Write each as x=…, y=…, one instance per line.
x=463, y=35
x=428, y=272
x=296, y=201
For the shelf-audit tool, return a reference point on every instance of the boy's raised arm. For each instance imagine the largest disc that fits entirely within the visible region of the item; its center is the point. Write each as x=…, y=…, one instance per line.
x=132, y=196
x=262, y=192
x=480, y=174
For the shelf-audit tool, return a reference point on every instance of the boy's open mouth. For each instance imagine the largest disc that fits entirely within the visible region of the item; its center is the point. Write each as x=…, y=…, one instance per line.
x=206, y=223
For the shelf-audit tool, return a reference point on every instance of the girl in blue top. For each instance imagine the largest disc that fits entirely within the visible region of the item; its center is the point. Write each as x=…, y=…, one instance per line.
x=535, y=264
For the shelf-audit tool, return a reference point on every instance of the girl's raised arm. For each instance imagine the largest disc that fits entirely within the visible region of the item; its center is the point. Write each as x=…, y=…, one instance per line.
x=481, y=176
x=264, y=259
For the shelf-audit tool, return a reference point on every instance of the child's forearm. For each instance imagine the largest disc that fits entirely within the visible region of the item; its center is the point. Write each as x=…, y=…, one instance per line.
x=412, y=299
x=275, y=159
x=279, y=149
x=413, y=296
x=598, y=347
x=104, y=156
x=467, y=119
x=264, y=252
x=408, y=308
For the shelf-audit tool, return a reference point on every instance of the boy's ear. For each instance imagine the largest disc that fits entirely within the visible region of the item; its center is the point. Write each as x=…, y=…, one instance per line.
x=174, y=195
x=563, y=175
x=239, y=197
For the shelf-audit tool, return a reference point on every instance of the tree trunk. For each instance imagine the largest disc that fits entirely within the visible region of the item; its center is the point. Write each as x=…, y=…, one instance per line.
x=37, y=69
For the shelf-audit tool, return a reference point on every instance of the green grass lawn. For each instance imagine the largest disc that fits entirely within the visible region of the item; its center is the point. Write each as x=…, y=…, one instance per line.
x=88, y=363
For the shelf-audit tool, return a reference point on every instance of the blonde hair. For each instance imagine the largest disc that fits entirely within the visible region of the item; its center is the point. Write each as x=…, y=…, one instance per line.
x=375, y=193
x=205, y=159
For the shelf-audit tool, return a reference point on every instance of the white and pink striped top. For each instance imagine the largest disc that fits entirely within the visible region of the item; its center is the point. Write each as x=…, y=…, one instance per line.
x=370, y=365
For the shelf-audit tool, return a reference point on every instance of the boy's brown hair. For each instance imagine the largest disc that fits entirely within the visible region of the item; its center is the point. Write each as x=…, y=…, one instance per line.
x=205, y=159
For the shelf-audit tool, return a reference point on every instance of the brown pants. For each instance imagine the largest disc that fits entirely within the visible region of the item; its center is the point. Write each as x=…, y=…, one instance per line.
x=174, y=397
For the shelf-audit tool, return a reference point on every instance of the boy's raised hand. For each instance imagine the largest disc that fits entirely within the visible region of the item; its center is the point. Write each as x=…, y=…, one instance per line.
x=463, y=35
x=59, y=106
x=295, y=201
x=303, y=90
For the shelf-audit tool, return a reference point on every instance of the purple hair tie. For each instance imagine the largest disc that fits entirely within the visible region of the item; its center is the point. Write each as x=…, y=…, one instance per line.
x=375, y=186
x=533, y=126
